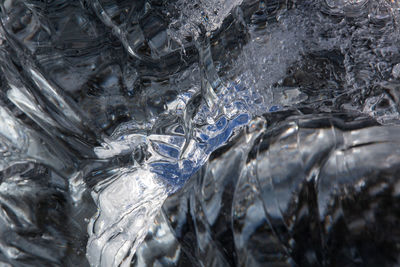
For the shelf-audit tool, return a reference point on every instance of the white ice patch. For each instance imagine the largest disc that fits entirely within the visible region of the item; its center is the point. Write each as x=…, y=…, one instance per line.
x=126, y=205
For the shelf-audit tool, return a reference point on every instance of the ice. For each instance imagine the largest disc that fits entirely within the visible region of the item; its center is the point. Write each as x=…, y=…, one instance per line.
x=206, y=132
x=396, y=71
x=277, y=193
x=127, y=203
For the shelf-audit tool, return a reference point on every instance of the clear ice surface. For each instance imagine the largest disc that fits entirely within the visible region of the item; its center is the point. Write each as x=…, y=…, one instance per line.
x=199, y=133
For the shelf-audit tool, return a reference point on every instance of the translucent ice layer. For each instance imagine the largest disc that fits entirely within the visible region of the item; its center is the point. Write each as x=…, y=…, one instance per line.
x=290, y=190
x=239, y=113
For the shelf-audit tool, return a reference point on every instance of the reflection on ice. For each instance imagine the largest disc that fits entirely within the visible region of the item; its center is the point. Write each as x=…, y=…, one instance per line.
x=268, y=128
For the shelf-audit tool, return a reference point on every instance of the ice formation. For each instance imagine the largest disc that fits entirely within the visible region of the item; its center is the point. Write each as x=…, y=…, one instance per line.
x=216, y=132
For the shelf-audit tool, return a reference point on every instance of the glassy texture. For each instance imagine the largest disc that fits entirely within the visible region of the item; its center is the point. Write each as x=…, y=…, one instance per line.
x=312, y=190
x=199, y=133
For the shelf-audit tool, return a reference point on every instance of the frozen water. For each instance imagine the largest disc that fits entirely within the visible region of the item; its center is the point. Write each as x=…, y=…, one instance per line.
x=310, y=190
x=268, y=128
